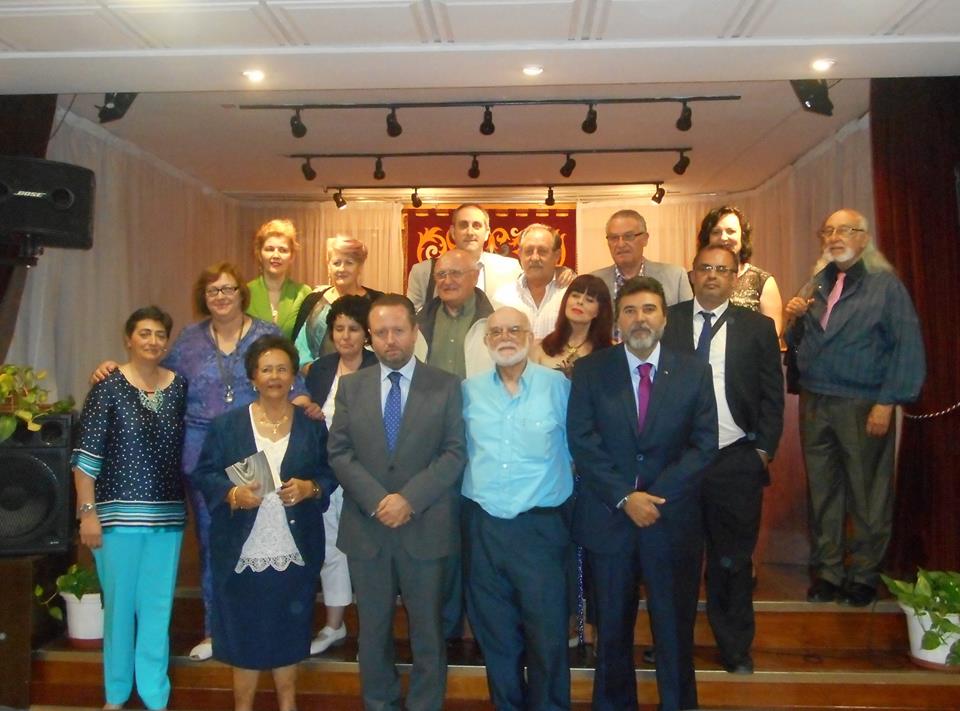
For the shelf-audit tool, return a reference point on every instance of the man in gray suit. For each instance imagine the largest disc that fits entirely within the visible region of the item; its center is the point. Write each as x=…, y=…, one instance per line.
x=397, y=445
x=626, y=237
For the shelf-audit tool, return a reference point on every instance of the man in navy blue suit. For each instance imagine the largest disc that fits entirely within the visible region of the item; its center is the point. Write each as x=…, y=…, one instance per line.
x=642, y=424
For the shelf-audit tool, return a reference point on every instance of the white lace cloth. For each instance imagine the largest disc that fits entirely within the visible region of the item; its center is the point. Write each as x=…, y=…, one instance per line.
x=270, y=543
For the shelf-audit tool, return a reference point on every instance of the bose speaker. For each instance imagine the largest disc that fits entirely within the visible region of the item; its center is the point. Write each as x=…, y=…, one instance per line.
x=35, y=488
x=49, y=202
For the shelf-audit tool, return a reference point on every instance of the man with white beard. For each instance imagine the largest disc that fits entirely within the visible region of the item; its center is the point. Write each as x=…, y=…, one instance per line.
x=515, y=535
x=857, y=348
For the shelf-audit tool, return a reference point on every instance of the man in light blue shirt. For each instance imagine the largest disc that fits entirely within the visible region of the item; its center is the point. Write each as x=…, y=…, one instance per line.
x=515, y=533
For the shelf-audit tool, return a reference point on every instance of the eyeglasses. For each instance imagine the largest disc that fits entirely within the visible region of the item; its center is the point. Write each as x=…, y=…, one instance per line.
x=455, y=274
x=512, y=331
x=212, y=291
x=718, y=268
x=842, y=231
x=626, y=237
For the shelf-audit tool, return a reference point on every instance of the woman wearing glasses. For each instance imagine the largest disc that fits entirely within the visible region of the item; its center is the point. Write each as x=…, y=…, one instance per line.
x=756, y=289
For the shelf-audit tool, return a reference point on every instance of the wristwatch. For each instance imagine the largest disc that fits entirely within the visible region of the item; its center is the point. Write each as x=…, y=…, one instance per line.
x=86, y=508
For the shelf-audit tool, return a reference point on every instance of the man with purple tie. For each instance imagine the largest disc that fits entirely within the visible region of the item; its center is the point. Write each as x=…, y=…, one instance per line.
x=642, y=424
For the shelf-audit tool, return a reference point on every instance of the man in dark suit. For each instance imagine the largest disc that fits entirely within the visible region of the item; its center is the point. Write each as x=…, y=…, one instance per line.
x=397, y=446
x=642, y=424
x=744, y=355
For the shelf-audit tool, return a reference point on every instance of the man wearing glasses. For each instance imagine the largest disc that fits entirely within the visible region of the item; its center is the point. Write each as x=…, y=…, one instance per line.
x=742, y=349
x=626, y=237
x=858, y=351
x=515, y=534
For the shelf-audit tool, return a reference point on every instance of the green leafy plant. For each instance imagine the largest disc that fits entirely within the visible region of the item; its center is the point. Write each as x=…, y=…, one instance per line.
x=22, y=399
x=78, y=581
x=934, y=596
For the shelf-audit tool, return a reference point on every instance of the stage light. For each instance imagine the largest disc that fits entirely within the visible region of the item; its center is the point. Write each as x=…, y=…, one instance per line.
x=657, y=197
x=339, y=200
x=394, y=128
x=474, y=171
x=813, y=95
x=550, y=202
x=115, y=106
x=589, y=124
x=415, y=198
x=487, y=128
x=378, y=172
x=296, y=125
x=566, y=170
x=680, y=167
x=308, y=172
x=685, y=122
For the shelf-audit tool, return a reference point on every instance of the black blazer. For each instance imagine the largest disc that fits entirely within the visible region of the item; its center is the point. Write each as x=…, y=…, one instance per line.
x=752, y=373
x=320, y=378
x=613, y=459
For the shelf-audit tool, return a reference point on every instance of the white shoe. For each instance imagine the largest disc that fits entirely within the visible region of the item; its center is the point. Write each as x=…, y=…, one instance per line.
x=202, y=651
x=326, y=638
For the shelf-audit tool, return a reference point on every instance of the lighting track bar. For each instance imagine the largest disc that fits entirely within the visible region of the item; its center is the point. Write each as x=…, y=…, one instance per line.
x=436, y=154
x=489, y=103
x=471, y=186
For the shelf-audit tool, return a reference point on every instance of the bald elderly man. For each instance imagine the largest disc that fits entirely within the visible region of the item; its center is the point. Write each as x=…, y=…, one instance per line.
x=857, y=348
x=515, y=536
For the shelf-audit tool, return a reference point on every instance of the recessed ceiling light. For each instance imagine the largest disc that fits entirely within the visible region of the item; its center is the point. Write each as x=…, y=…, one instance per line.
x=254, y=75
x=533, y=70
x=822, y=65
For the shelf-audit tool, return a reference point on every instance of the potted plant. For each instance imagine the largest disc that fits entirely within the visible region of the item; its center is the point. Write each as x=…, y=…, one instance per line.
x=80, y=589
x=23, y=400
x=932, y=607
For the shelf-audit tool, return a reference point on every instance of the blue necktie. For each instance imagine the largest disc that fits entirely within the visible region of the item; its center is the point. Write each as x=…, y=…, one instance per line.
x=703, y=345
x=391, y=411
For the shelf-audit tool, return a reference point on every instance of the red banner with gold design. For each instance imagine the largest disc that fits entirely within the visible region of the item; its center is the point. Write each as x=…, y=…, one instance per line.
x=425, y=231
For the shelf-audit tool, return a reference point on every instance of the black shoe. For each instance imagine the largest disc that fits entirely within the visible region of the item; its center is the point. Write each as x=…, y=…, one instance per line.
x=743, y=666
x=857, y=595
x=822, y=591
x=649, y=656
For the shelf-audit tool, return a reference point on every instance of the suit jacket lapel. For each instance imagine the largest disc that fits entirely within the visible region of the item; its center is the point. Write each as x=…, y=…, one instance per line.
x=411, y=409
x=621, y=383
x=661, y=389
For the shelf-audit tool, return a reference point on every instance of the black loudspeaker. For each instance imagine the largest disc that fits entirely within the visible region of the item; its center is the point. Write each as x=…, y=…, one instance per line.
x=49, y=202
x=35, y=488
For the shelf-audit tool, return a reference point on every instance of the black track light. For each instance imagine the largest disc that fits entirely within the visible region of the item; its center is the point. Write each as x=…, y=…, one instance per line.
x=115, y=106
x=308, y=172
x=487, y=128
x=415, y=198
x=378, y=172
x=339, y=200
x=550, y=201
x=814, y=95
x=566, y=170
x=474, y=171
x=394, y=128
x=657, y=197
x=685, y=122
x=680, y=167
x=589, y=124
x=296, y=125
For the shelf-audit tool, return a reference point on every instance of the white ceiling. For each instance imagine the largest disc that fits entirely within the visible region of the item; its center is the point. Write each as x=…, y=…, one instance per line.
x=186, y=57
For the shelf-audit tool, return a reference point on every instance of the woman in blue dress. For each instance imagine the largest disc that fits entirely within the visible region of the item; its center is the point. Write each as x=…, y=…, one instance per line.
x=131, y=507
x=267, y=547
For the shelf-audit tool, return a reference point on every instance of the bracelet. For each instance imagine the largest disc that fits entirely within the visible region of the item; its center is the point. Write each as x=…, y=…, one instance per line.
x=232, y=497
x=316, y=490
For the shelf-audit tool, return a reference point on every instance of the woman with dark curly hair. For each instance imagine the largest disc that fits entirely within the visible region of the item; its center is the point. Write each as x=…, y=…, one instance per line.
x=756, y=289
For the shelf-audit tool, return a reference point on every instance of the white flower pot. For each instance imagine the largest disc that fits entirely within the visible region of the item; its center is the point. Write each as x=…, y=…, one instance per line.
x=84, y=620
x=930, y=658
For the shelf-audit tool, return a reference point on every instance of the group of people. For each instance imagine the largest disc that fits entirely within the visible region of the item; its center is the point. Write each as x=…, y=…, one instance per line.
x=509, y=438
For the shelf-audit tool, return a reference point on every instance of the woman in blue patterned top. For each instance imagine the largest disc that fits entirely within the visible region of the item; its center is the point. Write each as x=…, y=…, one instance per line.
x=131, y=507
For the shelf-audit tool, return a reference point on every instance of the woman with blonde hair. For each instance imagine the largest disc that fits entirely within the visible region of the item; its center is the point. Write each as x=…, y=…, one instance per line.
x=345, y=259
x=274, y=296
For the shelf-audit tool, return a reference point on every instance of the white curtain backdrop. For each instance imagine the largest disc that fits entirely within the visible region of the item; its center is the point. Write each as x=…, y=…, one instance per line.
x=785, y=211
x=156, y=228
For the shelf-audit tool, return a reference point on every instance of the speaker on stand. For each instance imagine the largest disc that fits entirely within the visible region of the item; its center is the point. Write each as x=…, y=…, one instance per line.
x=36, y=533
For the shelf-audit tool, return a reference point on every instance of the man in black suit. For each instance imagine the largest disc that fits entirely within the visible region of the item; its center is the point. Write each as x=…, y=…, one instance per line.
x=398, y=447
x=742, y=349
x=642, y=424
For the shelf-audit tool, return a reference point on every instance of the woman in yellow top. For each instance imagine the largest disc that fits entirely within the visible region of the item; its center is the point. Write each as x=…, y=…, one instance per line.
x=274, y=297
